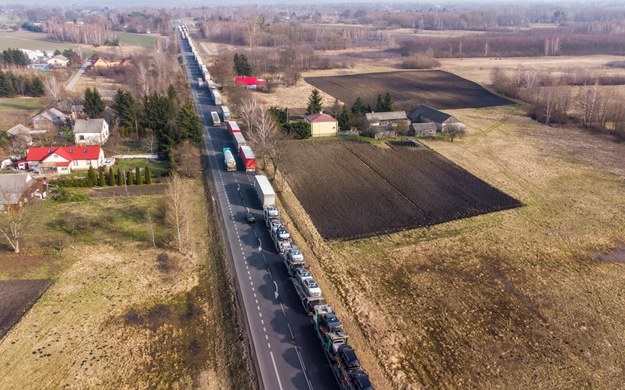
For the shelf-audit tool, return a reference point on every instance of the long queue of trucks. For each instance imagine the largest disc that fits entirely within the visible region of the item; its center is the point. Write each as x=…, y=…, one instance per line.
x=333, y=338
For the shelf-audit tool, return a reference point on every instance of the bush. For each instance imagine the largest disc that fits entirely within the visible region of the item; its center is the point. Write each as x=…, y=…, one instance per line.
x=72, y=182
x=63, y=195
x=419, y=61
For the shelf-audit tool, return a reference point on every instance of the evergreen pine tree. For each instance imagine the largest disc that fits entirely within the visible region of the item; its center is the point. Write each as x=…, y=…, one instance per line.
x=343, y=118
x=242, y=66
x=129, y=178
x=314, y=102
x=36, y=87
x=138, y=178
x=120, y=178
x=126, y=108
x=111, y=177
x=388, y=102
x=93, y=104
x=359, y=106
x=148, y=176
x=101, y=180
x=188, y=124
x=92, y=177
x=379, y=104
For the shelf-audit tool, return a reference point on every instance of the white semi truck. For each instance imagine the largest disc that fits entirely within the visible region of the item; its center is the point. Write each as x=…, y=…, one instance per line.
x=264, y=190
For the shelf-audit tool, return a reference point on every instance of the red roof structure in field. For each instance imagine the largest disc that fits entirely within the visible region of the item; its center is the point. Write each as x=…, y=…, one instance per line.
x=249, y=81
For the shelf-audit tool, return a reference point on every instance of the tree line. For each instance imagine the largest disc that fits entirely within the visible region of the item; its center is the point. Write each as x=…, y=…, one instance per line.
x=15, y=57
x=12, y=85
x=552, y=101
x=531, y=43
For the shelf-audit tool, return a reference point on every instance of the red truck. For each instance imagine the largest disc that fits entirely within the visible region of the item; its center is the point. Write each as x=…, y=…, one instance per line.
x=249, y=160
x=233, y=127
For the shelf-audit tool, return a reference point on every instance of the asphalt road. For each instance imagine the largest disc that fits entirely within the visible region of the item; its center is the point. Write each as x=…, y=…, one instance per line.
x=74, y=80
x=288, y=354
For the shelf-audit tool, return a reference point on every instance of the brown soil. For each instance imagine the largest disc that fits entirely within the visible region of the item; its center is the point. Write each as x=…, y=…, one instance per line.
x=436, y=88
x=16, y=298
x=617, y=256
x=373, y=190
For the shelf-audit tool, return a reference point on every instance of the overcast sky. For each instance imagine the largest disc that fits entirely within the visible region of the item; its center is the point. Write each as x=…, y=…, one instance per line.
x=221, y=3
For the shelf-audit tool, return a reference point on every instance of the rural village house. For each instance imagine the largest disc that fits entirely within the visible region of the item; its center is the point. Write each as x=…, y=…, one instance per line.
x=48, y=120
x=16, y=189
x=100, y=63
x=392, y=118
x=64, y=159
x=442, y=120
x=91, y=131
x=58, y=61
x=322, y=125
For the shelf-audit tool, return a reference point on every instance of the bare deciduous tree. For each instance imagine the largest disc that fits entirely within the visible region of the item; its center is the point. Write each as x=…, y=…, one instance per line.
x=248, y=110
x=176, y=214
x=15, y=219
x=588, y=101
x=53, y=87
x=263, y=134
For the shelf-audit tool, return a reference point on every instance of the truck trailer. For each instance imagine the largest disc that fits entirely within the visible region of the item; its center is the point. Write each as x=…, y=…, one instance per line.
x=215, y=118
x=239, y=140
x=249, y=160
x=216, y=96
x=226, y=112
x=264, y=190
x=232, y=127
x=229, y=162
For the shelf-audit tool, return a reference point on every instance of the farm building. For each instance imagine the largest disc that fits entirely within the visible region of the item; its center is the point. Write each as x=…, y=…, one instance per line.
x=91, y=131
x=425, y=114
x=65, y=159
x=16, y=189
x=58, y=61
x=20, y=136
x=427, y=129
x=49, y=120
x=322, y=125
x=392, y=118
x=250, y=82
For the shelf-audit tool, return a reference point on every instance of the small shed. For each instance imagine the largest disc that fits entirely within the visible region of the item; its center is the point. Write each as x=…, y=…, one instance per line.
x=427, y=129
x=49, y=120
x=322, y=125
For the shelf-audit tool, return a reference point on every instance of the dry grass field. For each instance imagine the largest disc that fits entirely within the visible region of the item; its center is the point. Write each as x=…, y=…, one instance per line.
x=514, y=299
x=120, y=313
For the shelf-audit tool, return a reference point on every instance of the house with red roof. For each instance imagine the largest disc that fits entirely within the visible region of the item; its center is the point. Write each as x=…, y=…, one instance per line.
x=65, y=159
x=322, y=125
x=250, y=82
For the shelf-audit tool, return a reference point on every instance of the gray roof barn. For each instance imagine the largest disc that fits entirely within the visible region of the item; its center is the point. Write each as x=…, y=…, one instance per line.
x=425, y=113
x=386, y=116
x=92, y=126
x=13, y=186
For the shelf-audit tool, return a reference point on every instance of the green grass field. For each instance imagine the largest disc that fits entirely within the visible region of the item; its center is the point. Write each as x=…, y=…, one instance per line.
x=142, y=40
x=30, y=40
x=22, y=104
x=158, y=169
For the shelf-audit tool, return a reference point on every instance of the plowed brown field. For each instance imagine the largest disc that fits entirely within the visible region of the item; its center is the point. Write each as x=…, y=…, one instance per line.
x=354, y=189
x=439, y=89
x=16, y=298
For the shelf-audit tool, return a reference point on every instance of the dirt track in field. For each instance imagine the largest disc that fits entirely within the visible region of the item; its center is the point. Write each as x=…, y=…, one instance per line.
x=435, y=88
x=16, y=298
x=355, y=189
